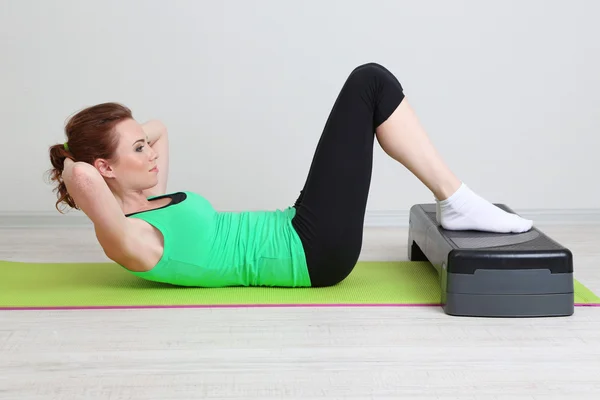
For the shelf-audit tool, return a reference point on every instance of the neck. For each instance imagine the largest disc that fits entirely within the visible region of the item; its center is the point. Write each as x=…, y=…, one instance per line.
x=132, y=201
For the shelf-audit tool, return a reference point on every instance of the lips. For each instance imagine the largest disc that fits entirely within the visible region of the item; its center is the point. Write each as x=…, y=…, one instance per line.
x=155, y=169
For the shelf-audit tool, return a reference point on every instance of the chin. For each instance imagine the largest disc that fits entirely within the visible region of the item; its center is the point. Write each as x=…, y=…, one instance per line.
x=152, y=184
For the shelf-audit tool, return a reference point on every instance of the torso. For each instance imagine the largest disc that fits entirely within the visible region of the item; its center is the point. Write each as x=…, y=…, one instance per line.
x=203, y=247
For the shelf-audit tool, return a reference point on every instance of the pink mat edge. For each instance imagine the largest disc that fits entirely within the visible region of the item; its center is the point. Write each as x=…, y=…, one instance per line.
x=307, y=305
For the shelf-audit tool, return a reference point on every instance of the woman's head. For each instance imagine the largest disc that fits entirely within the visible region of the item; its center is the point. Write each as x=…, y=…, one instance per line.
x=107, y=137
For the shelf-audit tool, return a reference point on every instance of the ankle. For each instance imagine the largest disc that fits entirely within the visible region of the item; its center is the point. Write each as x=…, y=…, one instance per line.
x=447, y=189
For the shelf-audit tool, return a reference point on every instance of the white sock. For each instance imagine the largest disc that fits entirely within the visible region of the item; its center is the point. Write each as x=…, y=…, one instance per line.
x=466, y=210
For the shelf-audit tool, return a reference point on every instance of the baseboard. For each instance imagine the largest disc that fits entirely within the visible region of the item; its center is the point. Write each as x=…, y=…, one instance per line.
x=380, y=218
x=41, y=220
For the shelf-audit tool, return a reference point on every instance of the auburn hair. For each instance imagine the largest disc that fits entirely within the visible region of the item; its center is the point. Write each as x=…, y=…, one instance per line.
x=90, y=135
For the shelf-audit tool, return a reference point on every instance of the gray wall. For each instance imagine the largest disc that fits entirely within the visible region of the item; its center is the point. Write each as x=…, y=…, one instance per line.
x=508, y=91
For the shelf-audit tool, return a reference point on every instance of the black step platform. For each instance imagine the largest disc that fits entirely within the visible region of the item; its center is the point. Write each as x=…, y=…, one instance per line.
x=486, y=274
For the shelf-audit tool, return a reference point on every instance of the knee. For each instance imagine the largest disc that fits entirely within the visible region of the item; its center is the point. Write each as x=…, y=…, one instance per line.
x=374, y=76
x=369, y=70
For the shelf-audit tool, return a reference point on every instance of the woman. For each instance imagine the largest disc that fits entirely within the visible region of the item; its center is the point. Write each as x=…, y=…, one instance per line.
x=115, y=170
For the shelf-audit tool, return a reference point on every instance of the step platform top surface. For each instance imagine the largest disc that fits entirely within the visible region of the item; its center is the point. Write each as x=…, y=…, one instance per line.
x=533, y=240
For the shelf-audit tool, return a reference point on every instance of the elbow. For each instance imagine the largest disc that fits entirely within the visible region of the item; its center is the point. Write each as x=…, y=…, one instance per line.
x=81, y=176
x=162, y=128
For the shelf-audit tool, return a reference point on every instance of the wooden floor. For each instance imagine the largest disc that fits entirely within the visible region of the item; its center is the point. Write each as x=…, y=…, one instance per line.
x=305, y=353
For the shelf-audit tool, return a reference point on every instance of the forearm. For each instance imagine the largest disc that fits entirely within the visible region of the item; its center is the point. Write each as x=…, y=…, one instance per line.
x=154, y=129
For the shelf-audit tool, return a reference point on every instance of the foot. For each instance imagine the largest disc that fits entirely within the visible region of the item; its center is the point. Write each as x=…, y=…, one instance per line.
x=465, y=210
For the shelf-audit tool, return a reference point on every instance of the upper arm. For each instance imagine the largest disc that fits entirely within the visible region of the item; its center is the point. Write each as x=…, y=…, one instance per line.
x=161, y=147
x=92, y=195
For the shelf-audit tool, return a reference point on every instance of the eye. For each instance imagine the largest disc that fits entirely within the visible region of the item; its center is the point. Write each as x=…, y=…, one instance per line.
x=139, y=148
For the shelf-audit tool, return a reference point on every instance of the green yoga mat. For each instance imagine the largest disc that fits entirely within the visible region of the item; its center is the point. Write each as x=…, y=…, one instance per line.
x=107, y=285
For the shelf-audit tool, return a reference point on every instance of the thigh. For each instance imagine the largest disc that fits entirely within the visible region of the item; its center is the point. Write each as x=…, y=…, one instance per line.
x=331, y=208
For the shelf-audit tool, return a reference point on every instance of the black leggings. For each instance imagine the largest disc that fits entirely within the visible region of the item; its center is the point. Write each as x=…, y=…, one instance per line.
x=331, y=208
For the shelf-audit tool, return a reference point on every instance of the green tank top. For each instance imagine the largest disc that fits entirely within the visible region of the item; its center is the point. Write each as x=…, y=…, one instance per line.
x=206, y=248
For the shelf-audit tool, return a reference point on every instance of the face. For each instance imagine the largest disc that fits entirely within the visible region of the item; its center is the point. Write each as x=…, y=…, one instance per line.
x=134, y=165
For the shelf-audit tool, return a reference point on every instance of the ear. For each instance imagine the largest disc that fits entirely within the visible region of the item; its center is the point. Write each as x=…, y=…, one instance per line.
x=104, y=167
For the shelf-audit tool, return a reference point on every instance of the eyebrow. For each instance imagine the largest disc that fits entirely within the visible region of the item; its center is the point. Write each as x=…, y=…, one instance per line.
x=139, y=140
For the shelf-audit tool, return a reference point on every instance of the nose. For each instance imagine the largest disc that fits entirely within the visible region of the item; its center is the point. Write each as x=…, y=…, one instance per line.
x=153, y=154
